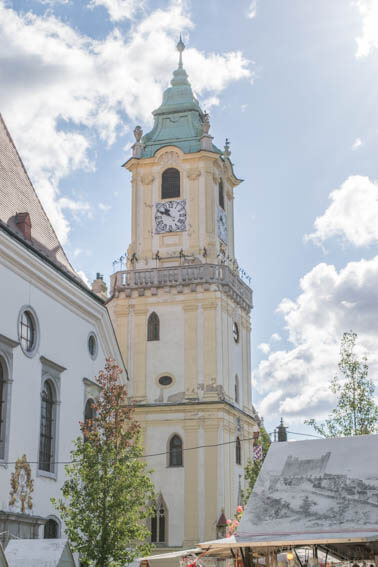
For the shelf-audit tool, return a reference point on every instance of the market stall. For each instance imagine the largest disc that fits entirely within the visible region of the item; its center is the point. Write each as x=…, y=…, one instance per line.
x=320, y=496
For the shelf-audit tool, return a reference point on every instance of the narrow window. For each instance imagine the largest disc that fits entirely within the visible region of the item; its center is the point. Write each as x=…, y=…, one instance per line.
x=51, y=530
x=238, y=451
x=221, y=194
x=159, y=523
x=3, y=409
x=153, y=327
x=236, y=389
x=89, y=415
x=170, y=183
x=47, y=434
x=27, y=331
x=175, y=452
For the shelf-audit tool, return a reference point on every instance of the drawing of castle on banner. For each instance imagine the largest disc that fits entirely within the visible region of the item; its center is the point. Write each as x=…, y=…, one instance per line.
x=330, y=483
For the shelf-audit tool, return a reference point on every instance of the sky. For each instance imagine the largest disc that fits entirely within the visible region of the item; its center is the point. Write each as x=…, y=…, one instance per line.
x=292, y=83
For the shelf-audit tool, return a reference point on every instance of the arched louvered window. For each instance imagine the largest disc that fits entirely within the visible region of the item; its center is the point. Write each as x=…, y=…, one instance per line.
x=153, y=327
x=238, y=451
x=175, y=451
x=170, y=183
x=3, y=408
x=159, y=523
x=51, y=529
x=237, y=398
x=221, y=194
x=47, y=431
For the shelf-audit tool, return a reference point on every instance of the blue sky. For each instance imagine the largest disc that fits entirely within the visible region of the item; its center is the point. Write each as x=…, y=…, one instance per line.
x=293, y=84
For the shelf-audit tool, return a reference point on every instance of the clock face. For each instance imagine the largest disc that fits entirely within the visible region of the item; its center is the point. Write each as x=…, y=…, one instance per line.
x=222, y=225
x=170, y=216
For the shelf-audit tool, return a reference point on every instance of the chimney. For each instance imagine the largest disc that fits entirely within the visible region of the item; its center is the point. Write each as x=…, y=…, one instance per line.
x=24, y=225
x=99, y=286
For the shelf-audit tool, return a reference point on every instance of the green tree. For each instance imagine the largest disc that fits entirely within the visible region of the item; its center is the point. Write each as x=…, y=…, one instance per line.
x=253, y=466
x=108, y=493
x=356, y=412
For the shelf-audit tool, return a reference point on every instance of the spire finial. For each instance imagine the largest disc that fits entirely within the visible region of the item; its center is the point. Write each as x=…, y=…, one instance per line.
x=180, y=48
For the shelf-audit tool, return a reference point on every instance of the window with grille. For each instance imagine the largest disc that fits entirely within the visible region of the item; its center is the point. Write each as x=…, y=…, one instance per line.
x=170, y=183
x=3, y=408
x=175, y=452
x=238, y=451
x=221, y=194
x=47, y=433
x=153, y=327
x=236, y=389
x=51, y=530
x=159, y=523
x=27, y=331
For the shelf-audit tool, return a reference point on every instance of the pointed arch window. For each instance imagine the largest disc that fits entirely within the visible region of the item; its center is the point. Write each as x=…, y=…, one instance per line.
x=47, y=428
x=170, y=183
x=159, y=523
x=221, y=194
x=153, y=327
x=3, y=407
x=238, y=451
x=237, y=395
x=175, y=451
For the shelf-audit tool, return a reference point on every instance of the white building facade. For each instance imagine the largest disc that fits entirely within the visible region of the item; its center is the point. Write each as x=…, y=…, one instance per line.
x=55, y=335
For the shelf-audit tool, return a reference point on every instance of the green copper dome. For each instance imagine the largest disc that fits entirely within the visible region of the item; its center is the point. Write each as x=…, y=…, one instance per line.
x=179, y=121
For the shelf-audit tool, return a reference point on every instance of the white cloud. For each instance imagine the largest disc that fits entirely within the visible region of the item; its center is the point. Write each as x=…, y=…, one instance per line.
x=357, y=144
x=294, y=382
x=264, y=347
x=104, y=207
x=368, y=39
x=119, y=9
x=252, y=10
x=83, y=276
x=352, y=214
x=65, y=91
x=276, y=337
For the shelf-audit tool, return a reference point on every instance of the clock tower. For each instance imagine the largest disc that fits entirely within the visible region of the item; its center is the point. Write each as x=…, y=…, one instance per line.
x=182, y=317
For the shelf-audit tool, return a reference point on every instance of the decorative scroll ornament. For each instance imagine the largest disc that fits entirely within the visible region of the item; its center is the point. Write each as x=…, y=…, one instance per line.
x=193, y=173
x=147, y=179
x=169, y=158
x=22, y=485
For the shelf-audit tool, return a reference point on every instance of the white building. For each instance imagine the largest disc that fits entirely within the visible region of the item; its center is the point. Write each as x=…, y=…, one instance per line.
x=55, y=335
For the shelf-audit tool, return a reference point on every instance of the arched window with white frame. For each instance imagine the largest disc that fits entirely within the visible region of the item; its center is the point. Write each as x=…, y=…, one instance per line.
x=3, y=406
x=48, y=427
x=153, y=327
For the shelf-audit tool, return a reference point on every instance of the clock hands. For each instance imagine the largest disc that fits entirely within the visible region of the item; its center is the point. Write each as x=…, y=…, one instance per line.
x=166, y=212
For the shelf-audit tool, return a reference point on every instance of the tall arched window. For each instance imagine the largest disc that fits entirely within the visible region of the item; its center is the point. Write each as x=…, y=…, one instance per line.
x=238, y=451
x=89, y=414
x=221, y=194
x=175, y=451
x=47, y=432
x=170, y=183
x=236, y=389
x=159, y=523
x=3, y=408
x=153, y=327
x=51, y=529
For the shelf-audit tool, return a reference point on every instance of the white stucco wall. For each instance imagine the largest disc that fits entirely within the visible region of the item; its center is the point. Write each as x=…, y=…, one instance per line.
x=66, y=315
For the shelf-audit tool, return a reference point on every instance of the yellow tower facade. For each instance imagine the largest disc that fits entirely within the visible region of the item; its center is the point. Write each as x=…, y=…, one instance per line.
x=182, y=317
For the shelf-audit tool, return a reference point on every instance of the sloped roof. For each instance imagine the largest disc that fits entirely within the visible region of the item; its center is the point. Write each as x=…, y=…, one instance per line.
x=17, y=195
x=38, y=553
